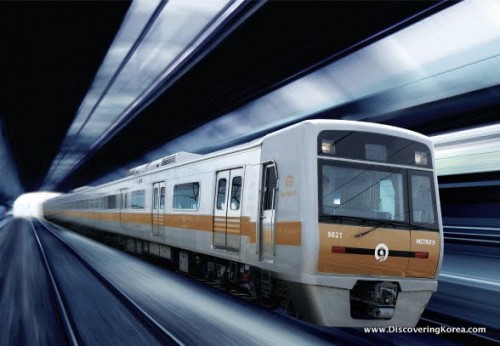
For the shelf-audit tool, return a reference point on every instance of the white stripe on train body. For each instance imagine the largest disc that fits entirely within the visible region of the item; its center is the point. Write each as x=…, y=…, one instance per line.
x=324, y=264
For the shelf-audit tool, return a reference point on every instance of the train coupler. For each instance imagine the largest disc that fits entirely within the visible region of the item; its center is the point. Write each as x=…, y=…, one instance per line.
x=374, y=299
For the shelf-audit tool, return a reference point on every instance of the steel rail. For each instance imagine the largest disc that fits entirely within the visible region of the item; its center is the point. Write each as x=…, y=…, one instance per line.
x=157, y=329
x=68, y=326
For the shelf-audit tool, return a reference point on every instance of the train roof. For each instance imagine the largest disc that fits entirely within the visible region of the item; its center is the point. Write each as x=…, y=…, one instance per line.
x=183, y=158
x=359, y=126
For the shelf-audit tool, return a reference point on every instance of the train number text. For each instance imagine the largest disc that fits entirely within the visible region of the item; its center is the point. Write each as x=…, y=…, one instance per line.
x=337, y=235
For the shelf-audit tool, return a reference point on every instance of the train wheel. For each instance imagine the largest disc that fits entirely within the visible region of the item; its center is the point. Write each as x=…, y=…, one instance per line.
x=271, y=302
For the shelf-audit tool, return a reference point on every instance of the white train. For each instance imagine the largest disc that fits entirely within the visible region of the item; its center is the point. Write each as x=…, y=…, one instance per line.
x=339, y=220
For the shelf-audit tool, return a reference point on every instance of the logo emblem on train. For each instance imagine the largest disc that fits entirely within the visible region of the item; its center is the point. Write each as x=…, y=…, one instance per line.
x=381, y=252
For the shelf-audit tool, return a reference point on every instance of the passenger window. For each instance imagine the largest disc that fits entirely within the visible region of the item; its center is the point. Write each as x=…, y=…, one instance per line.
x=236, y=193
x=186, y=196
x=111, y=202
x=221, y=194
x=138, y=198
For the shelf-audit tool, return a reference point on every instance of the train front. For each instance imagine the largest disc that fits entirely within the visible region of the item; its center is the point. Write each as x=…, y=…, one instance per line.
x=379, y=228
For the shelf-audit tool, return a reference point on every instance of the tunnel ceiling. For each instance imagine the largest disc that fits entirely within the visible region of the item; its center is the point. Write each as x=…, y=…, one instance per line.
x=51, y=52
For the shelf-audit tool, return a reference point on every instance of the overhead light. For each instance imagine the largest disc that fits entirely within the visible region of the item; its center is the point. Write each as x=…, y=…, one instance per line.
x=407, y=68
x=418, y=64
x=155, y=41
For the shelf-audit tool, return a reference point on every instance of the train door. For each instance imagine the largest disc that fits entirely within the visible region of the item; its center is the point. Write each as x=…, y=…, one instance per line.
x=123, y=207
x=158, y=210
x=267, y=212
x=227, y=210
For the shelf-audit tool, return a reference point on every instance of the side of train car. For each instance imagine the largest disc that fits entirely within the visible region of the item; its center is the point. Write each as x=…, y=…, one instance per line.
x=340, y=219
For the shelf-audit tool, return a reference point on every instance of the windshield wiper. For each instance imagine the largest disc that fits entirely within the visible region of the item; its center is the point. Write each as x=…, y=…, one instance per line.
x=382, y=224
x=342, y=218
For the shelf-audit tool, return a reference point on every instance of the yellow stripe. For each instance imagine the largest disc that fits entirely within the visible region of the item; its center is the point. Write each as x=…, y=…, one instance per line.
x=286, y=233
x=289, y=233
x=198, y=222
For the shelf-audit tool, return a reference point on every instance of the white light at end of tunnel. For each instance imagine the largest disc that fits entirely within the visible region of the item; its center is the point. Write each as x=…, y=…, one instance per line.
x=31, y=204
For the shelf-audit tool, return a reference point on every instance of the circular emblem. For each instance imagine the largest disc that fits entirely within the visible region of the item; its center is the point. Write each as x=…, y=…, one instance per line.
x=289, y=181
x=381, y=252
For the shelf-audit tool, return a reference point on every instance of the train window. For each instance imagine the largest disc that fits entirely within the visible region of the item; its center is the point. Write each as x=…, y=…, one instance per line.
x=162, y=198
x=186, y=196
x=235, y=193
x=373, y=147
x=221, y=194
x=269, y=187
x=155, y=198
x=362, y=191
x=111, y=202
x=387, y=197
x=423, y=200
x=138, y=199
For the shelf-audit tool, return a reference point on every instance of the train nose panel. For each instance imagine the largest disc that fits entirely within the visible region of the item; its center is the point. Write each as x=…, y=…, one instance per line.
x=425, y=249
x=374, y=251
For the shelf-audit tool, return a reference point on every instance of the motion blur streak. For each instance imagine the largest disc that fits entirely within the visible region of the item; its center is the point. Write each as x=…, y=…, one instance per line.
x=495, y=284
x=10, y=185
x=194, y=313
x=469, y=285
x=152, y=48
x=27, y=313
x=405, y=69
x=470, y=151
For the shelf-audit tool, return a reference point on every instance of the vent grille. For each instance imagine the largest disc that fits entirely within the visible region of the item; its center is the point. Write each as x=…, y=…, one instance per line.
x=168, y=160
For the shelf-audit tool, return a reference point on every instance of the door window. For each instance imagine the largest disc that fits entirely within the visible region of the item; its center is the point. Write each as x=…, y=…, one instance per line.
x=155, y=198
x=221, y=194
x=236, y=193
x=270, y=186
x=162, y=198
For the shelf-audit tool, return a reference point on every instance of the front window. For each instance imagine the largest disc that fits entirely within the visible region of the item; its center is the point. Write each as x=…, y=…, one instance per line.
x=422, y=200
x=362, y=191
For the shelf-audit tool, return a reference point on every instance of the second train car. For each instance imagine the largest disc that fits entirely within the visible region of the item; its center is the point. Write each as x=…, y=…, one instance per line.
x=338, y=220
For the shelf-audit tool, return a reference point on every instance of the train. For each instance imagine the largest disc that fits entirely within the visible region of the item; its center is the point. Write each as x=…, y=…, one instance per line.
x=337, y=221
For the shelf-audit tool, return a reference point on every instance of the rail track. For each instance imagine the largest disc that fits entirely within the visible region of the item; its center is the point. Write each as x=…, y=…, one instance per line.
x=73, y=324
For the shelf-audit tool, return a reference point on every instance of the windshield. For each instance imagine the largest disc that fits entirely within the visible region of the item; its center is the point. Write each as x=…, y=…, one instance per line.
x=376, y=192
